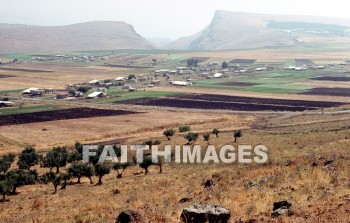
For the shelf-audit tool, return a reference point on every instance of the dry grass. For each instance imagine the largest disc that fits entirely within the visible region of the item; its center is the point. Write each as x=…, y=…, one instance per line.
x=152, y=123
x=317, y=195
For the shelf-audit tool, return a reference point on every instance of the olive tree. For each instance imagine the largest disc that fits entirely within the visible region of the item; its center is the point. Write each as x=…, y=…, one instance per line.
x=120, y=168
x=237, y=134
x=20, y=178
x=169, y=132
x=147, y=162
x=28, y=158
x=77, y=154
x=5, y=188
x=80, y=170
x=63, y=177
x=6, y=162
x=216, y=132
x=57, y=158
x=206, y=137
x=191, y=137
x=101, y=169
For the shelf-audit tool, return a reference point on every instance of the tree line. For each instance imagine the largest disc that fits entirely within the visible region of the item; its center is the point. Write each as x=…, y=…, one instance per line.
x=59, y=157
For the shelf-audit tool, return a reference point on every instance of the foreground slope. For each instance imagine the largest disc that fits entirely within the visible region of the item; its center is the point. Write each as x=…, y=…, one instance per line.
x=77, y=37
x=237, y=30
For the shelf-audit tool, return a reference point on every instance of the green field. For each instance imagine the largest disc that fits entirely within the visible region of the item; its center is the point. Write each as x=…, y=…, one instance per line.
x=138, y=94
x=28, y=109
x=21, y=56
x=115, y=91
x=3, y=92
x=276, y=82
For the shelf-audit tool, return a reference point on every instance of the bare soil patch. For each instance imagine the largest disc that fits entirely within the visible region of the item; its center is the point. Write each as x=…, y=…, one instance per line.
x=199, y=59
x=221, y=102
x=331, y=78
x=343, y=92
x=26, y=70
x=303, y=61
x=6, y=76
x=244, y=61
x=73, y=113
x=125, y=66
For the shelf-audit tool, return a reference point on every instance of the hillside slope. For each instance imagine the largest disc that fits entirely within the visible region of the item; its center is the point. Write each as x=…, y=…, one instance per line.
x=77, y=37
x=236, y=30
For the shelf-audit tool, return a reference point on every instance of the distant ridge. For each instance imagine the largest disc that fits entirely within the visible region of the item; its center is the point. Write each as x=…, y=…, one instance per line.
x=77, y=37
x=239, y=30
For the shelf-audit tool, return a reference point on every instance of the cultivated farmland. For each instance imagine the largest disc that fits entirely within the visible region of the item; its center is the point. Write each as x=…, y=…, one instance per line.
x=216, y=102
x=73, y=113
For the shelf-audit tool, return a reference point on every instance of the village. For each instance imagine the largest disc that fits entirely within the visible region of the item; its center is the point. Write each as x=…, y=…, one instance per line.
x=179, y=75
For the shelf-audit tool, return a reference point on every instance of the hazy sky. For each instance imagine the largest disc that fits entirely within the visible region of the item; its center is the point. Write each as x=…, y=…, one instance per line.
x=156, y=18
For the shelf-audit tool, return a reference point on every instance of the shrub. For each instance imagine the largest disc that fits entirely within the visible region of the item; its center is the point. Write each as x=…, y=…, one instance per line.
x=237, y=134
x=216, y=132
x=120, y=168
x=184, y=128
x=151, y=143
x=191, y=137
x=206, y=137
x=169, y=132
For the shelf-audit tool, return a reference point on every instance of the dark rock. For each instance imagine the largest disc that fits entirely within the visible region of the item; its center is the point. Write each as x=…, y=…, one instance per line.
x=279, y=204
x=185, y=199
x=288, y=163
x=129, y=216
x=251, y=184
x=116, y=191
x=281, y=208
x=209, y=184
x=203, y=213
x=328, y=162
x=314, y=164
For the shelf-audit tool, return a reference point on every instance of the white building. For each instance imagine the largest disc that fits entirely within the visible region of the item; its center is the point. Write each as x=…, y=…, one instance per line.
x=180, y=83
x=217, y=75
x=96, y=94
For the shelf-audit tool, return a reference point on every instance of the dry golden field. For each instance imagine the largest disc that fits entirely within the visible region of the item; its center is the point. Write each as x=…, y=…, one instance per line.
x=317, y=194
x=126, y=127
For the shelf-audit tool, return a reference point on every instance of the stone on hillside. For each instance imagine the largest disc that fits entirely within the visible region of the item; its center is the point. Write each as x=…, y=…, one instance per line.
x=209, y=184
x=281, y=208
x=129, y=216
x=203, y=213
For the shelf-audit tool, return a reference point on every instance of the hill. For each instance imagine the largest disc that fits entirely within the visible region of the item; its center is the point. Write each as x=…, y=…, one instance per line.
x=237, y=30
x=76, y=37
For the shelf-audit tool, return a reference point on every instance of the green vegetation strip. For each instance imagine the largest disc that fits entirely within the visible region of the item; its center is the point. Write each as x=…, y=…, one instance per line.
x=28, y=109
x=10, y=91
x=138, y=94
